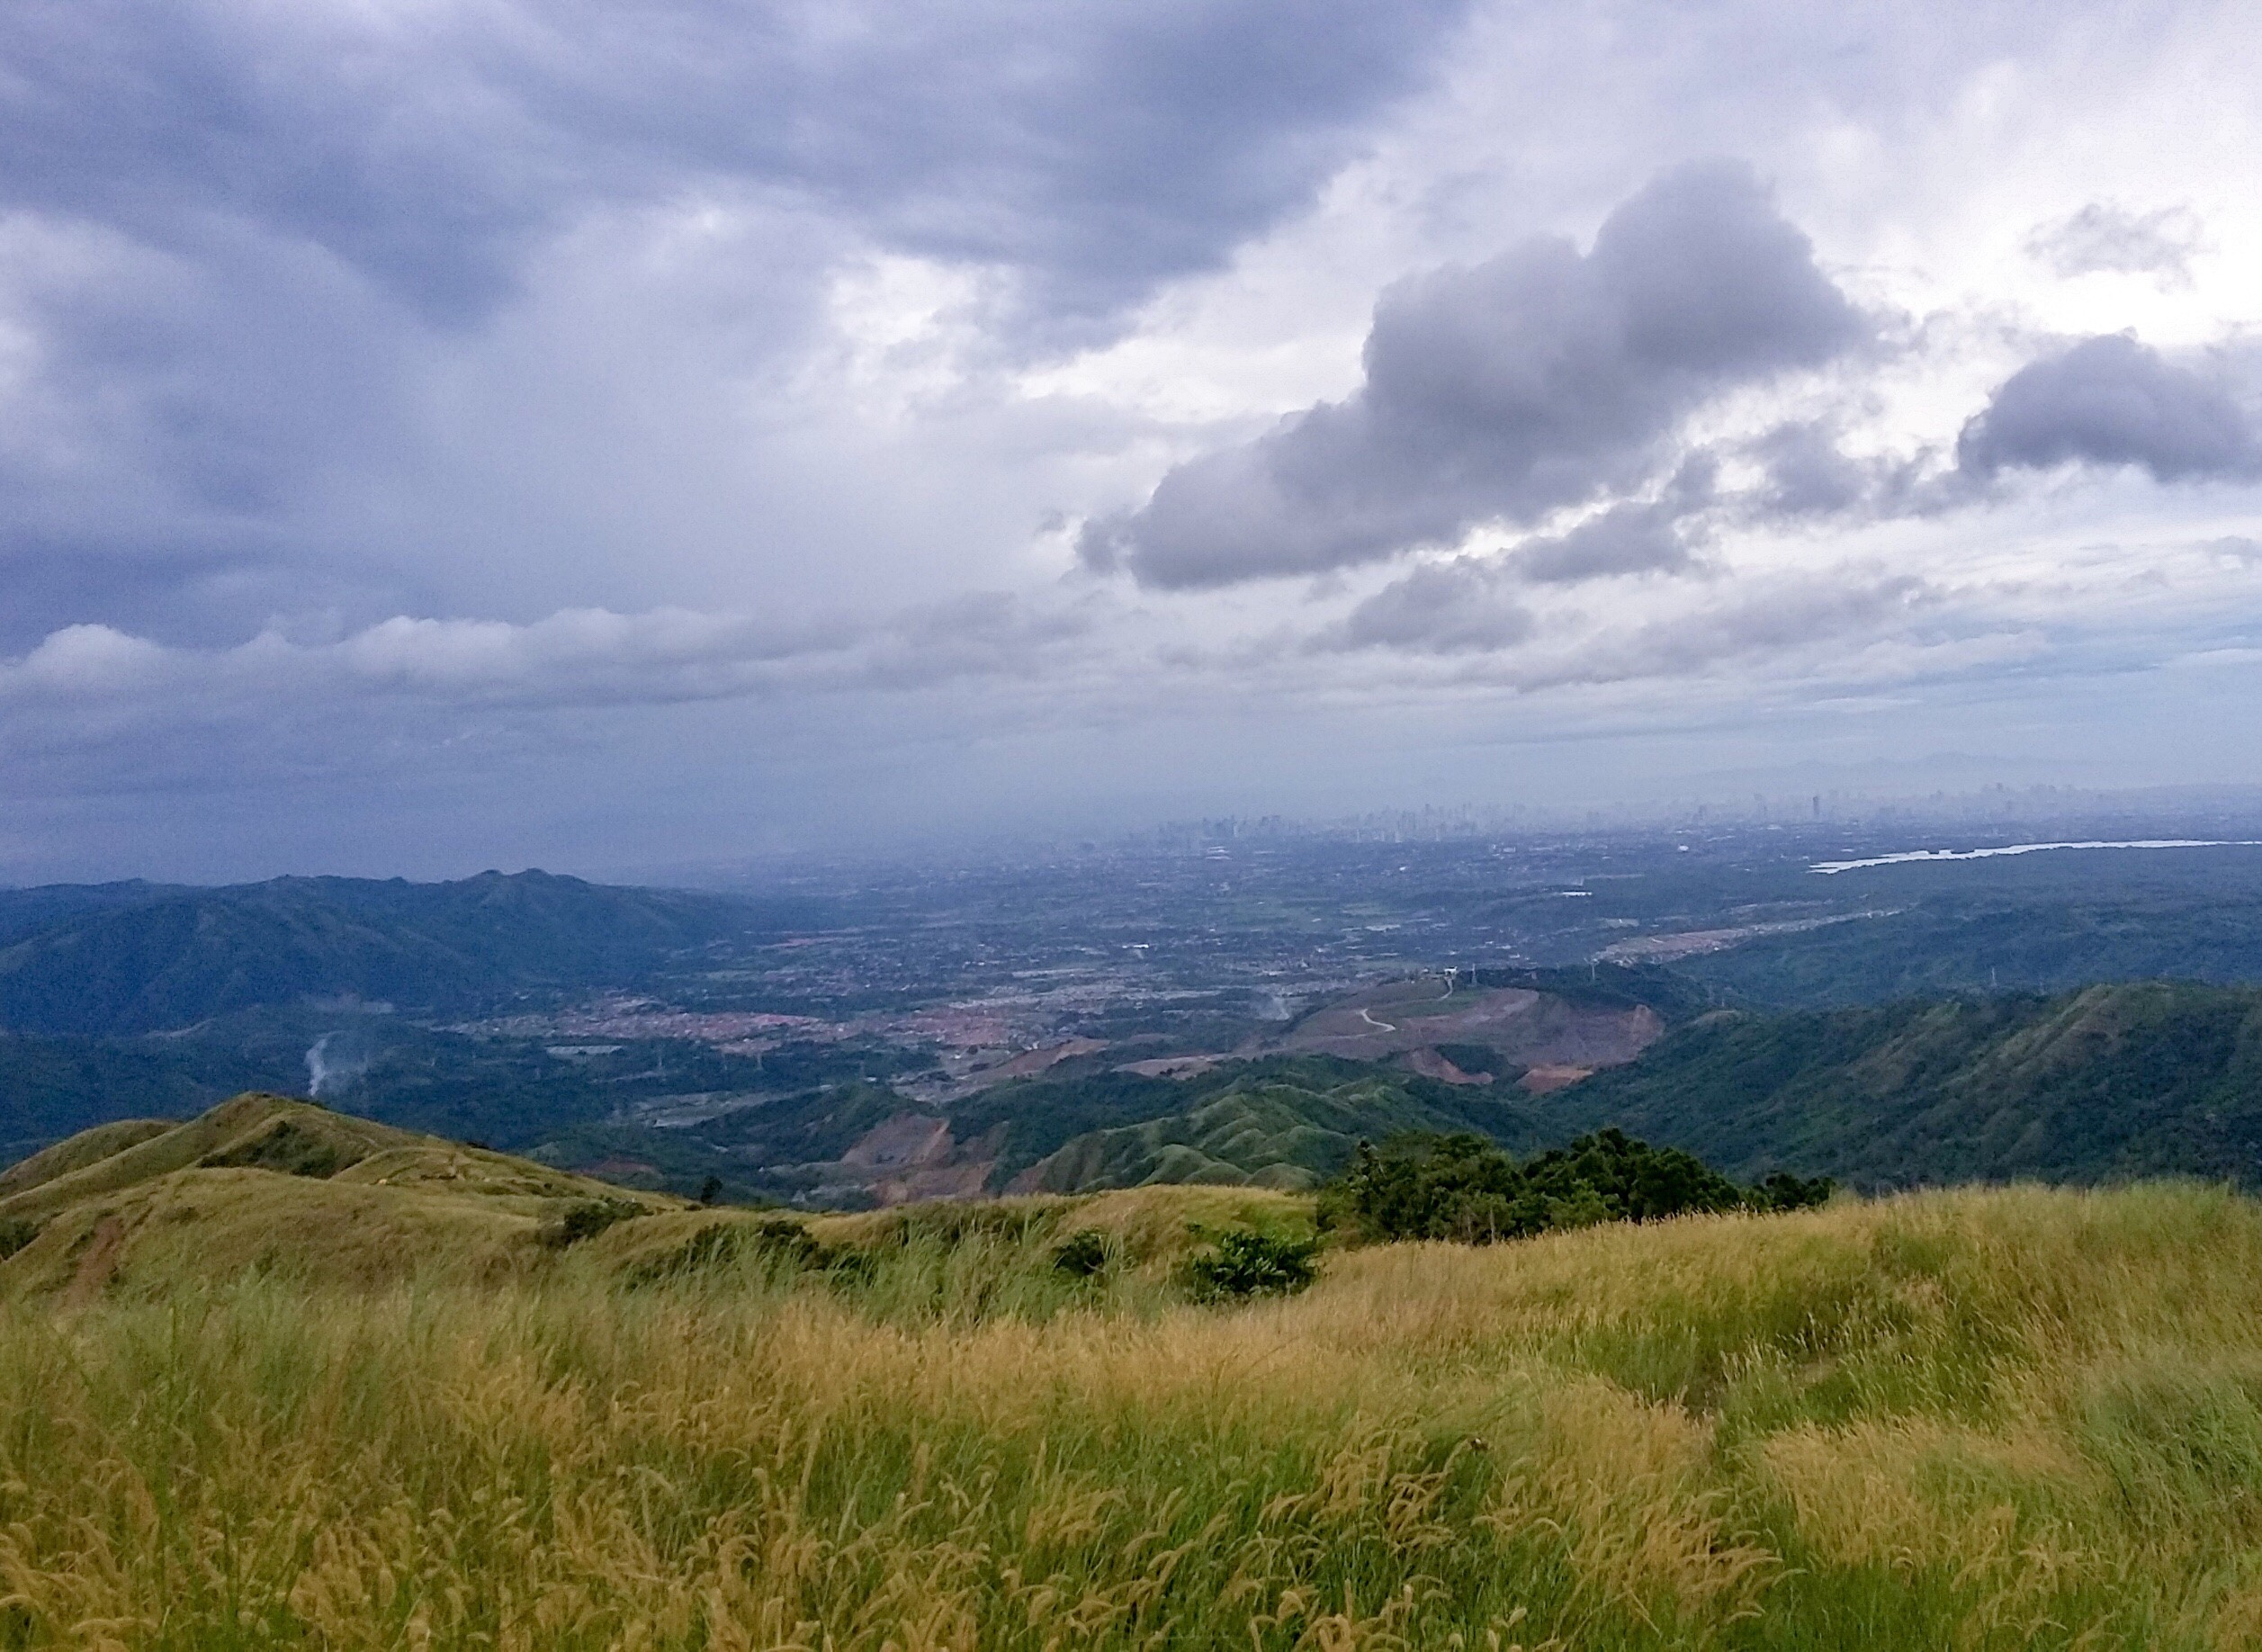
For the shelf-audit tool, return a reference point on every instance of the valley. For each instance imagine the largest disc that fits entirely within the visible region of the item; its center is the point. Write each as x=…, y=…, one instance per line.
x=855, y=1036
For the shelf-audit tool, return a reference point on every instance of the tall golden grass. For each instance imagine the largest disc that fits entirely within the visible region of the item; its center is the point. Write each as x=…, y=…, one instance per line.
x=1972, y=1420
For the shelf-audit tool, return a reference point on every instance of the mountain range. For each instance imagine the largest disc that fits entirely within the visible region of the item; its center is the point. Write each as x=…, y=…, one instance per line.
x=126, y=959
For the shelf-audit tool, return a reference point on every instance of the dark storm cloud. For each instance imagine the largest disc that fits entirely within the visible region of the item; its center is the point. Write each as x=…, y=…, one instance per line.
x=2111, y=401
x=231, y=235
x=1095, y=148
x=168, y=410
x=1537, y=380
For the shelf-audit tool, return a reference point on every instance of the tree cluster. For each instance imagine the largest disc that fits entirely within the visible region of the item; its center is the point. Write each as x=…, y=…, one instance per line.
x=1464, y=1188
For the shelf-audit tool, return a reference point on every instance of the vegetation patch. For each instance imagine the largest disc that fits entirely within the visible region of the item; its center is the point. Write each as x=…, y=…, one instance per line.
x=2110, y=1082
x=1474, y=1058
x=1082, y=1256
x=586, y=1218
x=290, y=1147
x=1991, y=1420
x=1246, y=1263
x=1463, y=1187
x=780, y=1244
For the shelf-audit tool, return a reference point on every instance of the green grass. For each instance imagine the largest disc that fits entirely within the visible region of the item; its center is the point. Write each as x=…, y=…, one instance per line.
x=2011, y=1418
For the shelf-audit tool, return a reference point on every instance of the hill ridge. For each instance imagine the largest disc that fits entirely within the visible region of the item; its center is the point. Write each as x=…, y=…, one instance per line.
x=2107, y=1082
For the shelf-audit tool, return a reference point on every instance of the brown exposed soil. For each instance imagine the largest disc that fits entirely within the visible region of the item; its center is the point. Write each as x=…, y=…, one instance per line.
x=1432, y=1063
x=1172, y=1067
x=96, y=1263
x=1541, y=1080
x=913, y=1156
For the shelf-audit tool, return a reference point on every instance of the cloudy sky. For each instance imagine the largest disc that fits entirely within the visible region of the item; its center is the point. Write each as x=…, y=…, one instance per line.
x=438, y=434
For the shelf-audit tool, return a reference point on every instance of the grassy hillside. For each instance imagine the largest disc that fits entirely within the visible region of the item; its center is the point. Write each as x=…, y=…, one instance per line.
x=1979, y=1420
x=268, y=1183
x=141, y=959
x=1283, y=1124
x=2109, y=1082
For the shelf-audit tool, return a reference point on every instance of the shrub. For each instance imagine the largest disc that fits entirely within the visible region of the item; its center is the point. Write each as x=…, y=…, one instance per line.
x=585, y=1220
x=1084, y=1255
x=15, y=1232
x=1243, y=1263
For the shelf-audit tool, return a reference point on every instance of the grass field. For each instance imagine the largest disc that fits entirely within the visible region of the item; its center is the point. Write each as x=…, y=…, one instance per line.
x=1983, y=1419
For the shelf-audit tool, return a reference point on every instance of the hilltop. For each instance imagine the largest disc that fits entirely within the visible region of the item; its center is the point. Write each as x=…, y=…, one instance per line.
x=269, y=1182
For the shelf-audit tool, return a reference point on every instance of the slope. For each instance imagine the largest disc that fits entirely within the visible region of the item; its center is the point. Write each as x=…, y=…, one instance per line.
x=272, y=1183
x=2043, y=923
x=1993, y=1421
x=1285, y=1123
x=2105, y=1082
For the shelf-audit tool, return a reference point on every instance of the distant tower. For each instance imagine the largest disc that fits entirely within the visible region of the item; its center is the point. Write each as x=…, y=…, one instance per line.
x=1818, y=805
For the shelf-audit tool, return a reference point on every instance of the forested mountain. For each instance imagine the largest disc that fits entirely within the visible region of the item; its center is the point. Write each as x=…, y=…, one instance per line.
x=127, y=958
x=2035, y=923
x=2108, y=1081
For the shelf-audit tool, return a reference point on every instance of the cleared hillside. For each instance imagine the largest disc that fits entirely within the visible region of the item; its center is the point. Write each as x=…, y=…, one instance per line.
x=2110, y=1081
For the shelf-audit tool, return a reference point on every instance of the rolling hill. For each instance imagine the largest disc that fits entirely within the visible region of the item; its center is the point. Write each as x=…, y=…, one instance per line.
x=2102, y=1083
x=269, y=1183
x=1289, y=1125
x=271, y=1187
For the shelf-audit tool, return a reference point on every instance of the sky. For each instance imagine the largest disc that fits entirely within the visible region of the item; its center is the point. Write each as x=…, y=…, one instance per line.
x=444, y=433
